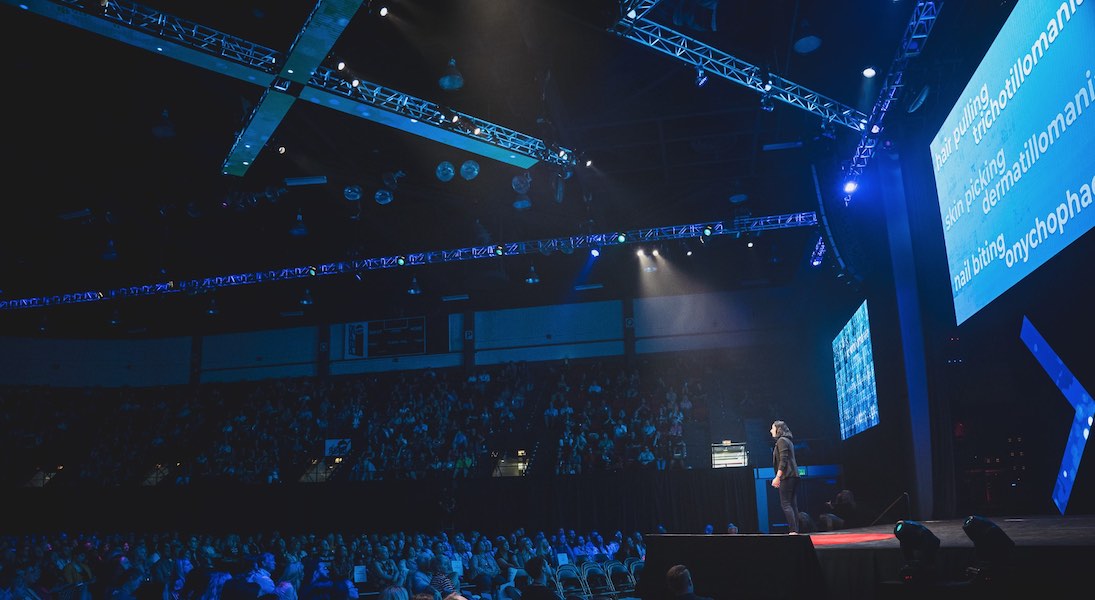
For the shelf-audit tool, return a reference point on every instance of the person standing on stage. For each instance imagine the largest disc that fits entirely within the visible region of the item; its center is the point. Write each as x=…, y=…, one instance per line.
x=786, y=479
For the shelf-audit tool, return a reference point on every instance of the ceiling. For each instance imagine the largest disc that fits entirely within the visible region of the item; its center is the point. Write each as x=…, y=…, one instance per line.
x=112, y=143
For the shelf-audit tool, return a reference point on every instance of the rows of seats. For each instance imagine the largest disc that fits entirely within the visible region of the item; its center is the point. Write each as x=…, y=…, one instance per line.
x=593, y=580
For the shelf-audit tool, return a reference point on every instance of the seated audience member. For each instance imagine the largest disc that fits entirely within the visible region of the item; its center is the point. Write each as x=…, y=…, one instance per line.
x=442, y=577
x=679, y=581
x=538, y=588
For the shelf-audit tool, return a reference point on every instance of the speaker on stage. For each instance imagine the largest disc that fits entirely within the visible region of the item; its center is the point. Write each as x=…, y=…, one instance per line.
x=734, y=566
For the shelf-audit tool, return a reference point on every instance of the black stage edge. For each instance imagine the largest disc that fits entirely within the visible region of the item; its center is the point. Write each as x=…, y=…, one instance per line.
x=734, y=566
x=1052, y=554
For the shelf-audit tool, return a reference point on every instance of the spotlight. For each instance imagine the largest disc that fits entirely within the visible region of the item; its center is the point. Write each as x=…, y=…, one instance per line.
x=621, y=238
x=306, y=299
x=594, y=252
x=918, y=546
x=521, y=183
x=589, y=162
x=352, y=193
x=532, y=278
x=850, y=186
x=767, y=80
x=708, y=230
x=383, y=11
x=522, y=202
x=499, y=250
x=445, y=171
x=383, y=196
x=355, y=82
x=414, y=288
x=766, y=103
x=341, y=65
x=876, y=128
x=992, y=548
x=110, y=253
x=701, y=76
x=401, y=260
x=869, y=72
x=469, y=170
x=299, y=228
x=452, y=79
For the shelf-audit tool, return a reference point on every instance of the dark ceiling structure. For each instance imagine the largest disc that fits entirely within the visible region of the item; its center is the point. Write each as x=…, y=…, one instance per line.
x=122, y=156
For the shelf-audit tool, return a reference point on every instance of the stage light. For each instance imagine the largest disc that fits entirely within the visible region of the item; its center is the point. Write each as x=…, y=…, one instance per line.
x=869, y=72
x=766, y=103
x=521, y=183
x=401, y=260
x=589, y=162
x=499, y=250
x=414, y=288
x=299, y=228
x=355, y=82
x=850, y=186
x=701, y=76
x=306, y=299
x=532, y=278
x=594, y=252
x=341, y=65
x=469, y=170
x=445, y=171
x=708, y=230
x=993, y=548
x=352, y=193
x=919, y=547
x=621, y=238
x=383, y=196
x=522, y=202
x=383, y=11
x=452, y=79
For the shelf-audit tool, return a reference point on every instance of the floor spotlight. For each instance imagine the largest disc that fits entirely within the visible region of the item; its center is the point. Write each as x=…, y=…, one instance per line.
x=992, y=548
x=919, y=547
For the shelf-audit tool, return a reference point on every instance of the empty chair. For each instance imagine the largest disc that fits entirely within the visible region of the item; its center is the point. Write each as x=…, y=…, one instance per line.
x=570, y=583
x=598, y=582
x=620, y=576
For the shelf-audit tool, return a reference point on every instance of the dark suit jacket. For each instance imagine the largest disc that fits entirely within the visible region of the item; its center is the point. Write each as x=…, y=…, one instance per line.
x=783, y=457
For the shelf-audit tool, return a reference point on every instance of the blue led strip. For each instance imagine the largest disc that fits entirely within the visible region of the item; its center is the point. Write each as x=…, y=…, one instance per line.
x=544, y=246
x=1080, y=400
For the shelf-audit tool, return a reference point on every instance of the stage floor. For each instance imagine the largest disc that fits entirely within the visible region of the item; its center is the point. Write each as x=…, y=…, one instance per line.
x=1051, y=553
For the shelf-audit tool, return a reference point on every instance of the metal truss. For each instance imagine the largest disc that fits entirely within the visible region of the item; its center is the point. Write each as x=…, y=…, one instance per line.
x=545, y=246
x=221, y=52
x=715, y=61
x=912, y=43
x=417, y=110
x=162, y=25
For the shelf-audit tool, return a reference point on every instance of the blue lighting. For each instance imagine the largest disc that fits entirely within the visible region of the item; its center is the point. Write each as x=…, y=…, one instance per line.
x=850, y=186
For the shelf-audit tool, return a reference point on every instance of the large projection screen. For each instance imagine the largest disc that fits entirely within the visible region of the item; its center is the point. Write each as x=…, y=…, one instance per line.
x=1014, y=160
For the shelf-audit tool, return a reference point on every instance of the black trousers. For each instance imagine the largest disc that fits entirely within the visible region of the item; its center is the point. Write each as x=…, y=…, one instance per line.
x=789, y=502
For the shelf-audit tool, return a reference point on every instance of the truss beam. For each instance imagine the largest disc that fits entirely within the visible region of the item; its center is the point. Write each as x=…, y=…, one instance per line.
x=912, y=43
x=196, y=44
x=717, y=62
x=544, y=246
